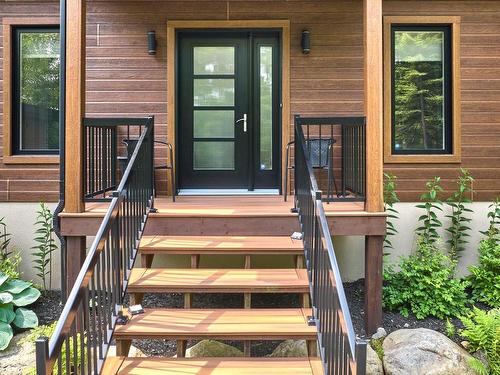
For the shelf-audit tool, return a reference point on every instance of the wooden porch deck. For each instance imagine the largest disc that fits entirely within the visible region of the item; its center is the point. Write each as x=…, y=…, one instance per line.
x=220, y=215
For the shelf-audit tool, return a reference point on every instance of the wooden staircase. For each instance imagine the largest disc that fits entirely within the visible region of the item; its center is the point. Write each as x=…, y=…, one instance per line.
x=245, y=324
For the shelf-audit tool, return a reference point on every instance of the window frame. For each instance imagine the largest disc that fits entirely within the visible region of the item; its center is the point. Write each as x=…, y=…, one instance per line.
x=452, y=151
x=10, y=156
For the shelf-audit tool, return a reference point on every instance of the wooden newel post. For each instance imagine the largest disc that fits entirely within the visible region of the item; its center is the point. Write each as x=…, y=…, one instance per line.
x=372, y=11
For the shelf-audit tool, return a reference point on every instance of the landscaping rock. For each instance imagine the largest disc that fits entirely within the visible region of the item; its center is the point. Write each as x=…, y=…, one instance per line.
x=17, y=357
x=373, y=363
x=290, y=348
x=380, y=334
x=212, y=348
x=424, y=352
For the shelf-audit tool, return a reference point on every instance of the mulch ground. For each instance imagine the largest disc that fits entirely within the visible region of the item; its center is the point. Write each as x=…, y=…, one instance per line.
x=48, y=307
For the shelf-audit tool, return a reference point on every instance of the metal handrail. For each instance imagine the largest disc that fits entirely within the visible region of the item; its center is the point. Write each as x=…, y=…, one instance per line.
x=82, y=335
x=341, y=351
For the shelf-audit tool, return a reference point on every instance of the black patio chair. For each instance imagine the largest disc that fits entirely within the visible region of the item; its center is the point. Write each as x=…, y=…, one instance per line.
x=131, y=143
x=320, y=152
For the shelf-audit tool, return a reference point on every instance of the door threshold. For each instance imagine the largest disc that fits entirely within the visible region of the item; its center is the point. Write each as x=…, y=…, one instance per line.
x=187, y=192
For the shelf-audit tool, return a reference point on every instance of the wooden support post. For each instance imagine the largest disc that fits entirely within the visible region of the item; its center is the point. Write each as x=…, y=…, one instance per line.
x=299, y=261
x=247, y=302
x=373, y=79
x=75, y=105
x=136, y=298
x=123, y=347
x=147, y=260
x=75, y=256
x=181, y=348
x=374, y=246
x=312, y=348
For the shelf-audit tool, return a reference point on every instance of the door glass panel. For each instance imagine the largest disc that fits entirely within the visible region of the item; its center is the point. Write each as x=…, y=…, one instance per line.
x=212, y=155
x=213, y=92
x=266, y=106
x=213, y=60
x=214, y=124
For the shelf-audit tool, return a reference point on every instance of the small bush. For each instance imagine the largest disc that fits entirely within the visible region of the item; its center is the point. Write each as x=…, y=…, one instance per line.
x=46, y=245
x=485, y=277
x=482, y=331
x=390, y=198
x=10, y=266
x=425, y=285
x=429, y=222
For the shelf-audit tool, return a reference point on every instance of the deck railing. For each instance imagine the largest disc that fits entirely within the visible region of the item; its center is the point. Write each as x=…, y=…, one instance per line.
x=341, y=351
x=348, y=155
x=102, y=139
x=82, y=335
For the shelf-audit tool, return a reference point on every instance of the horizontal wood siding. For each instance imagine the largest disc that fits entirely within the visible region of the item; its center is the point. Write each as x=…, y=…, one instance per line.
x=123, y=80
x=480, y=62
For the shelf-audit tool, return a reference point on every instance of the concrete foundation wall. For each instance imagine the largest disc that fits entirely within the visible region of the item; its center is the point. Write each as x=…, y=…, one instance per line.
x=350, y=250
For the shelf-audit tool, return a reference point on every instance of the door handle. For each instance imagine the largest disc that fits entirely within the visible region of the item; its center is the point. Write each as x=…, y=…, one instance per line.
x=244, y=119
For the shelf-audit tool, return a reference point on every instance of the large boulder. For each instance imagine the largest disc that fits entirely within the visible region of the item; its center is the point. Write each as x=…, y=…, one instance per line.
x=424, y=352
x=290, y=348
x=212, y=348
x=373, y=363
x=19, y=355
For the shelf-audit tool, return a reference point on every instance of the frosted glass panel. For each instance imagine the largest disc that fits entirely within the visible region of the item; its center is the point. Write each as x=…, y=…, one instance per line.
x=266, y=107
x=213, y=155
x=214, y=124
x=213, y=60
x=214, y=92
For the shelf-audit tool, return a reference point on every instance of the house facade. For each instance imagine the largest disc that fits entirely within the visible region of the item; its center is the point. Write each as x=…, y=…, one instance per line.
x=123, y=80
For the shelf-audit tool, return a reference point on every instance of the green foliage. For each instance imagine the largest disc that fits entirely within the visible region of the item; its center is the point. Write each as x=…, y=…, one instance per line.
x=478, y=366
x=482, y=331
x=45, y=246
x=377, y=346
x=5, y=238
x=10, y=266
x=494, y=218
x=47, y=331
x=450, y=328
x=459, y=222
x=390, y=198
x=430, y=223
x=14, y=294
x=485, y=277
x=425, y=285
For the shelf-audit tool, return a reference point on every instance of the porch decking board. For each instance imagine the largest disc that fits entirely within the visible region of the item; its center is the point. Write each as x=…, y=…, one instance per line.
x=212, y=366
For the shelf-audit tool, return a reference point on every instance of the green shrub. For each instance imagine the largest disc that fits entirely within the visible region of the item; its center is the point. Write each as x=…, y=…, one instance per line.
x=390, y=198
x=482, y=331
x=494, y=218
x=10, y=266
x=45, y=246
x=14, y=295
x=459, y=222
x=485, y=277
x=425, y=285
x=430, y=223
x=5, y=238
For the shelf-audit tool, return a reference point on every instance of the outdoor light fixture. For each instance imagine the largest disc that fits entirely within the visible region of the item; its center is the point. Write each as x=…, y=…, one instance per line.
x=306, y=42
x=151, y=42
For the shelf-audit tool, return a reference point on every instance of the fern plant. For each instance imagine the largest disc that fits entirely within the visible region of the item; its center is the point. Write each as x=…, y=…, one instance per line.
x=482, y=331
x=427, y=230
x=390, y=198
x=459, y=222
x=45, y=246
x=494, y=219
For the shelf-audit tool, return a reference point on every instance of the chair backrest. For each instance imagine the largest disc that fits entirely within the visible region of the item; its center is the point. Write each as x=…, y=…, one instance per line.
x=319, y=151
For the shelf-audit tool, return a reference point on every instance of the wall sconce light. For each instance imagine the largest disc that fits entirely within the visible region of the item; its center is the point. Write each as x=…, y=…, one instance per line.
x=151, y=42
x=306, y=42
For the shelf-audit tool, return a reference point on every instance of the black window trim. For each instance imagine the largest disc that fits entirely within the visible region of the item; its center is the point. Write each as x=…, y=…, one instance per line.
x=448, y=86
x=15, y=68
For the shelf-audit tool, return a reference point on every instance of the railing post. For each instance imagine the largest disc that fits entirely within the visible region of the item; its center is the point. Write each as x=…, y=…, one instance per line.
x=42, y=355
x=360, y=357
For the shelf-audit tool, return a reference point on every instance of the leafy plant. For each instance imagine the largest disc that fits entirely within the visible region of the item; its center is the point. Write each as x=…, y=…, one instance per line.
x=15, y=294
x=377, y=346
x=485, y=277
x=459, y=228
x=494, y=218
x=427, y=230
x=482, y=331
x=10, y=266
x=5, y=238
x=47, y=331
x=390, y=198
x=425, y=285
x=450, y=328
x=46, y=246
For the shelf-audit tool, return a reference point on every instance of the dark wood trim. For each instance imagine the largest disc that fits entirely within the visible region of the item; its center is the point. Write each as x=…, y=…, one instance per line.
x=8, y=24
x=75, y=256
x=374, y=246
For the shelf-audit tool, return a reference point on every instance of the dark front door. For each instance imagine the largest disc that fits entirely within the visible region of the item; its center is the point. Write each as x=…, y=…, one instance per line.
x=228, y=110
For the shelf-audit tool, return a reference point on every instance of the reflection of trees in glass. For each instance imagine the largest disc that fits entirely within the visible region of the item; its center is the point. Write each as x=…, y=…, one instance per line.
x=266, y=108
x=214, y=60
x=39, y=89
x=418, y=90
